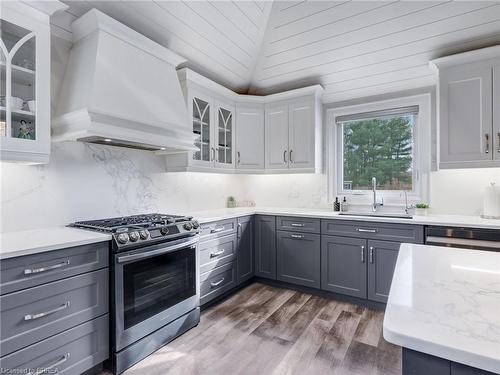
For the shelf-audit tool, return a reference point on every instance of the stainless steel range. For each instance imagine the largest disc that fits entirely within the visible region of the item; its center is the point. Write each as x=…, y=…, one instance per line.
x=154, y=282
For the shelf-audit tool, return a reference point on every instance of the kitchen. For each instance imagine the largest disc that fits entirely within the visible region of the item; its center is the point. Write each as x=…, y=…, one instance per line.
x=221, y=135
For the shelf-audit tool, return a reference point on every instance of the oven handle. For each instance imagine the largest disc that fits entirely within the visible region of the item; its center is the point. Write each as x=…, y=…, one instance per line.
x=149, y=254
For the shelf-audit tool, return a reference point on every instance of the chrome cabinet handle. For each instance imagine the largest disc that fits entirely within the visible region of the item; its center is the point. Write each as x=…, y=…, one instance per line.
x=217, y=253
x=487, y=150
x=217, y=230
x=498, y=134
x=31, y=271
x=42, y=314
x=239, y=157
x=217, y=283
x=371, y=254
x=46, y=370
x=297, y=224
x=290, y=157
x=213, y=154
x=366, y=230
x=297, y=236
x=284, y=157
x=362, y=254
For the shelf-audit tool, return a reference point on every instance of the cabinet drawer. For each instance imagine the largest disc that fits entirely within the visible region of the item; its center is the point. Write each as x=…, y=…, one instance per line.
x=371, y=230
x=298, y=224
x=70, y=352
x=32, y=270
x=217, y=282
x=216, y=252
x=34, y=314
x=218, y=228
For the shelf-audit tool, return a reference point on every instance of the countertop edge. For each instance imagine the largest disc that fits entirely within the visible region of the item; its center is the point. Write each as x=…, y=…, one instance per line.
x=446, y=352
x=44, y=249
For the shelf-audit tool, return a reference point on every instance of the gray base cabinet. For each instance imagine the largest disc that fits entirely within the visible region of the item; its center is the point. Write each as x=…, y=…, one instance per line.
x=245, y=262
x=265, y=246
x=343, y=265
x=299, y=258
x=382, y=257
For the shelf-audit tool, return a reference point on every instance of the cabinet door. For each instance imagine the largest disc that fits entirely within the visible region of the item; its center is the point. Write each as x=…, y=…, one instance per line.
x=299, y=258
x=466, y=115
x=265, y=246
x=276, y=137
x=250, y=137
x=301, y=134
x=496, y=112
x=245, y=248
x=24, y=85
x=382, y=257
x=343, y=265
x=224, y=135
x=200, y=106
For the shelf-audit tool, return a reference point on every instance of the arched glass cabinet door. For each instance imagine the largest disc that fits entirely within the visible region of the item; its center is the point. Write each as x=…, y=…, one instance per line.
x=18, y=81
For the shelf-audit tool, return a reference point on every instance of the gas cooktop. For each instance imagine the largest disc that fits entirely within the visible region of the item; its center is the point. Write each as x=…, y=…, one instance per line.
x=142, y=230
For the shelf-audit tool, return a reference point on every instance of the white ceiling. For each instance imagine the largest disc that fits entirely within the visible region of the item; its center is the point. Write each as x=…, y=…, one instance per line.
x=353, y=48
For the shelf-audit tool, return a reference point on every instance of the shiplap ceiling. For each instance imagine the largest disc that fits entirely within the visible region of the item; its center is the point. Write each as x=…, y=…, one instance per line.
x=353, y=48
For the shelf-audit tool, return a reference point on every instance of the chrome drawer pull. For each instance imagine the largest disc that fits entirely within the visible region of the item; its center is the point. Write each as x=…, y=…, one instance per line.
x=284, y=157
x=217, y=283
x=366, y=230
x=42, y=314
x=371, y=254
x=30, y=271
x=217, y=230
x=297, y=224
x=217, y=253
x=298, y=236
x=362, y=254
x=46, y=370
x=487, y=143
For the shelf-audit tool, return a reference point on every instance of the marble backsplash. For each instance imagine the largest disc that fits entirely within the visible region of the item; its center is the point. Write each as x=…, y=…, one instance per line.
x=84, y=181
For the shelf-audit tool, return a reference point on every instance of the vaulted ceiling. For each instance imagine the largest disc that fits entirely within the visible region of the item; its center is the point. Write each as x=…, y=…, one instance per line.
x=353, y=48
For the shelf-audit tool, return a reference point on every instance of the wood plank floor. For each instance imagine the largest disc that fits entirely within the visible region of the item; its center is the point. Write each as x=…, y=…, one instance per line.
x=268, y=330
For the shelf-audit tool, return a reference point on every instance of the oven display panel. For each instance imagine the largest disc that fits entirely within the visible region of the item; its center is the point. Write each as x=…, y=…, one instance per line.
x=155, y=233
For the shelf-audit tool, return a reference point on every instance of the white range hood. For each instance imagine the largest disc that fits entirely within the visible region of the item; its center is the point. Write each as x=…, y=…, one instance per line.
x=121, y=88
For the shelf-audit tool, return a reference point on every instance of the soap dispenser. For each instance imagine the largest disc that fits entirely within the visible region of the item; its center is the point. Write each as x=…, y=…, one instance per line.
x=336, y=205
x=344, y=206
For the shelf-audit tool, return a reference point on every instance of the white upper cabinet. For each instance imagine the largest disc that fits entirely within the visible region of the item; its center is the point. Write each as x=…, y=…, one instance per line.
x=25, y=82
x=279, y=133
x=469, y=101
x=250, y=137
x=293, y=135
x=496, y=112
x=276, y=140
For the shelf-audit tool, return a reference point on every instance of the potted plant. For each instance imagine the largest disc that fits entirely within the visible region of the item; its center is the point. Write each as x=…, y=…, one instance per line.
x=421, y=209
x=231, y=202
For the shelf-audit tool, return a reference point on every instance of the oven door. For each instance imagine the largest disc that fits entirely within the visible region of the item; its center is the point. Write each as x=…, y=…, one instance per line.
x=152, y=287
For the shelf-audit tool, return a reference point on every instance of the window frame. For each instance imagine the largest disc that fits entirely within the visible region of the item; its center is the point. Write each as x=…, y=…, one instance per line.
x=421, y=150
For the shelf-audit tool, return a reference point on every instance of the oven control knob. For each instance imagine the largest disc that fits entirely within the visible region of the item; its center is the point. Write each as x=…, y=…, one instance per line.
x=144, y=234
x=122, y=238
x=195, y=224
x=134, y=236
x=164, y=230
x=188, y=226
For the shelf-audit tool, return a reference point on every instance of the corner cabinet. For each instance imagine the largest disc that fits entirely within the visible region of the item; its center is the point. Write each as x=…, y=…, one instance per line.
x=468, y=109
x=25, y=82
x=250, y=138
x=293, y=140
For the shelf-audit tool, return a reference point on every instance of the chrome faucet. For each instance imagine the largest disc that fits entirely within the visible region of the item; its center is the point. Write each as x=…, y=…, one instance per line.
x=374, y=189
x=407, y=208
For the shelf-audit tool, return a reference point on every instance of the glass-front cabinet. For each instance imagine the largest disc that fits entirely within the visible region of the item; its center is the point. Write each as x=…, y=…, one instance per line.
x=24, y=84
x=213, y=124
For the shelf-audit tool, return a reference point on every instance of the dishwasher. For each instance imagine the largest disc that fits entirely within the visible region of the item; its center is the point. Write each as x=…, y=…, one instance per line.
x=467, y=238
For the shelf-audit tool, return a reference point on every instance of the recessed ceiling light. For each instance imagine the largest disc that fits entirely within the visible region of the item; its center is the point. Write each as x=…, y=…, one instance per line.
x=162, y=148
x=107, y=140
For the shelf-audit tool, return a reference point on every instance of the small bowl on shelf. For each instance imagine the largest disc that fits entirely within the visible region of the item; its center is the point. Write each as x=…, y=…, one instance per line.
x=16, y=103
x=31, y=104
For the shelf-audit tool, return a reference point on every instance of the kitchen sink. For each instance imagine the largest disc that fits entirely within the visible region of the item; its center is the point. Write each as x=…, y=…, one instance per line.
x=378, y=214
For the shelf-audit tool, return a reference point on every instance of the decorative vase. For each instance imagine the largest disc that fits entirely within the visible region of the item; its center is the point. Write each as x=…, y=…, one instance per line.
x=421, y=211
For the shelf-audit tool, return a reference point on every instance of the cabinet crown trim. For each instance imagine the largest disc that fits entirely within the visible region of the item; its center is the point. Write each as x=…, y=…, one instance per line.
x=465, y=57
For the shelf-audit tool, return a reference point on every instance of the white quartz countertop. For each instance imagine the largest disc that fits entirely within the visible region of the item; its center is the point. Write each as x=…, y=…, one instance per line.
x=206, y=216
x=27, y=242
x=446, y=302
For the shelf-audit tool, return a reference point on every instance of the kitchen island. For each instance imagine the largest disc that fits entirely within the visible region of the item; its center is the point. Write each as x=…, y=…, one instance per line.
x=444, y=310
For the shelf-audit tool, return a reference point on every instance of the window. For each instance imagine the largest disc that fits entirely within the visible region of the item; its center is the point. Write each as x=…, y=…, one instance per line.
x=377, y=144
x=390, y=140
